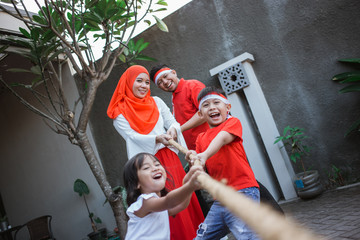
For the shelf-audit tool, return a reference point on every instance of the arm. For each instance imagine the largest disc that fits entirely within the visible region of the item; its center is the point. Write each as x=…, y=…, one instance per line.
x=183, y=205
x=178, y=196
x=221, y=139
x=194, y=121
x=135, y=142
x=170, y=123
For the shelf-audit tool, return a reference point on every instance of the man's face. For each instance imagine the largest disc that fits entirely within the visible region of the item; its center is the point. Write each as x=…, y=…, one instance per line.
x=168, y=81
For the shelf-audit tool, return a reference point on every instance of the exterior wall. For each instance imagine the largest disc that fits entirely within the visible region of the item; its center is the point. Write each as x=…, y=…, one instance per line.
x=296, y=45
x=38, y=168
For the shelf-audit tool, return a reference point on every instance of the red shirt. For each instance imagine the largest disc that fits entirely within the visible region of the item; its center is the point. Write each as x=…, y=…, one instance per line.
x=230, y=161
x=185, y=105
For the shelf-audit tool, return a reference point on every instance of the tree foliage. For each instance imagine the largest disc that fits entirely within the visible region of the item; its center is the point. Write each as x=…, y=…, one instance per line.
x=67, y=31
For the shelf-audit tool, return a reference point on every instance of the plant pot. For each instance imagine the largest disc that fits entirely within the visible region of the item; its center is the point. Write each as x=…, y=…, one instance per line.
x=99, y=235
x=308, y=184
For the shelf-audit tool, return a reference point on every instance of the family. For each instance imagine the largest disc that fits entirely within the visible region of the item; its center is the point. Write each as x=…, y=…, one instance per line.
x=161, y=198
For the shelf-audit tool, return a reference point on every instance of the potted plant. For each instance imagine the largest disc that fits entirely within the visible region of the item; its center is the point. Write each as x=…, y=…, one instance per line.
x=352, y=79
x=82, y=189
x=307, y=183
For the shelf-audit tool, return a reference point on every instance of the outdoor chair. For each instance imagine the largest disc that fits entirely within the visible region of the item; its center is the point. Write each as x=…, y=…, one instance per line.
x=39, y=228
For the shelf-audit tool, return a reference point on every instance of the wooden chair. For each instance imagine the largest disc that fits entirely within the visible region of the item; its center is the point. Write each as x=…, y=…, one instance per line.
x=39, y=228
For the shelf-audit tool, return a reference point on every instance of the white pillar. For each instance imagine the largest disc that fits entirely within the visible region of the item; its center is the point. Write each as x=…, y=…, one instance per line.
x=264, y=120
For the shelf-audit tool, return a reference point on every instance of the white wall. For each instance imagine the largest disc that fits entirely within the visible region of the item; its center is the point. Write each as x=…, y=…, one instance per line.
x=38, y=169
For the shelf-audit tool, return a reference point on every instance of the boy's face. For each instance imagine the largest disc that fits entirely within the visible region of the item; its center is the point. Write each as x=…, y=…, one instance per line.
x=168, y=81
x=214, y=111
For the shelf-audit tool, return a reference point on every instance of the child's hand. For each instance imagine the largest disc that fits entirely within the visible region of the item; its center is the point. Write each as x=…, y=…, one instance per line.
x=202, y=157
x=163, y=138
x=190, y=157
x=172, y=132
x=191, y=176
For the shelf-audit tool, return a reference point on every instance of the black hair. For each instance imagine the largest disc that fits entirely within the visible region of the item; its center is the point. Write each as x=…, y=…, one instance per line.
x=156, y=68
x=210, y=89
x=131, y=179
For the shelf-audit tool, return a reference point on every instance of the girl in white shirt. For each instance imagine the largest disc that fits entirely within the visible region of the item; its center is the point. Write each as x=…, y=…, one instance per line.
x=149, y=203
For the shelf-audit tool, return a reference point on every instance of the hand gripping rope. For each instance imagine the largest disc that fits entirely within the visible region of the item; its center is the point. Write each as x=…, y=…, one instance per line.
x=266, y=222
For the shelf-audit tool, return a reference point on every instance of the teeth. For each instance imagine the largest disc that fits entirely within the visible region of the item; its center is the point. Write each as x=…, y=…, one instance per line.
x=157, y=175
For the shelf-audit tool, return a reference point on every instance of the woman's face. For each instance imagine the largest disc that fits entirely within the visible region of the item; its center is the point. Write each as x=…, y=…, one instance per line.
x=141, y=85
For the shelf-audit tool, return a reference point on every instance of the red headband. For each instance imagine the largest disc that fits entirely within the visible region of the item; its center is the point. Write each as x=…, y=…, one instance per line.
x=159, y=73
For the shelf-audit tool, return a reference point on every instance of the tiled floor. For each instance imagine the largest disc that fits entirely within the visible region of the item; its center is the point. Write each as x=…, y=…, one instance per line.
x=334, y=214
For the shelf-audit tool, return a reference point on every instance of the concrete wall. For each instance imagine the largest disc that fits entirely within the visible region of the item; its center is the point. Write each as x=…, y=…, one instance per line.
x=38, y=168
x=296, y=45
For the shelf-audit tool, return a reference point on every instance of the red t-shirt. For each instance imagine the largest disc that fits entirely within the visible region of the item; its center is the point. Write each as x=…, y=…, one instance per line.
x=230, y=161
x=185, y=105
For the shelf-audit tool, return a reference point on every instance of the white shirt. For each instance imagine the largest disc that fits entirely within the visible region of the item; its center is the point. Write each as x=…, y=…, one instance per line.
x=136, y=142
x=154, y=226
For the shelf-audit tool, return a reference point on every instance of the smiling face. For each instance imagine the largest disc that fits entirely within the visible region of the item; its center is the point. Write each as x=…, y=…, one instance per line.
x=141, y=85
x=214, y=111
x=151, y=175
x=168, y=81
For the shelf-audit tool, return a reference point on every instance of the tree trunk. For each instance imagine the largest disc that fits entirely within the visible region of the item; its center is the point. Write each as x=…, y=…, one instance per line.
x=114, y=200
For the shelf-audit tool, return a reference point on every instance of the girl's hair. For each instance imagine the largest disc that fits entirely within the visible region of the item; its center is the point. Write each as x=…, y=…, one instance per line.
x=207, y=90
x=131, y=179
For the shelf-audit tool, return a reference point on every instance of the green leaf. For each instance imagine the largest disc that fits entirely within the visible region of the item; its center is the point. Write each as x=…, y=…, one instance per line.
x=24, y=32
x=160, y=9
x=162, y=3
x=148, y=22
x=350, y=60
x=161, y=25
x=145, y=58
x=355, y=78
x=138, y=44
x=352, y=88
x=345, y=75
x=18, y=70
x=122, y=58
x=80, y=187
x=143, y=46
x=97, y=220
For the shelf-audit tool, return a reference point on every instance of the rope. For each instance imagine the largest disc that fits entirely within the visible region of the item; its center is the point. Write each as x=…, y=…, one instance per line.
x=265, y=221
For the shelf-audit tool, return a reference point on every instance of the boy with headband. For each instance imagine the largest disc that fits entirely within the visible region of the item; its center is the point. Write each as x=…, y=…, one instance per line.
x=184, y=101
x=220, y=149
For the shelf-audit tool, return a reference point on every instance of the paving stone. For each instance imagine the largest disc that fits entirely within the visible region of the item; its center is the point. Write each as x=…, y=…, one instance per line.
x=335, y=214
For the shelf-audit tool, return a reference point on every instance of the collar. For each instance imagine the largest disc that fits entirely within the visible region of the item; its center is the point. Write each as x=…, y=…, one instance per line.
x=179, y=86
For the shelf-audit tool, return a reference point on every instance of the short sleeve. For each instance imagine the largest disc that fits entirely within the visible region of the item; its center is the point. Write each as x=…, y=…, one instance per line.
x=139, y=202
x=233, y=126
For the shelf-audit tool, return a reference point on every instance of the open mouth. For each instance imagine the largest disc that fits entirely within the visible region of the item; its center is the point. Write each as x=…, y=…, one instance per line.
x=169, y=85
x=157, y=176
x=214, y=115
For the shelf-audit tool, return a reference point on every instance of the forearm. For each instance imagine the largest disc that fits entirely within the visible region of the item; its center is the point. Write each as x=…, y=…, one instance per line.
x=178, y=196
x=194, y=121
x=182, y=206
x=221, y=139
